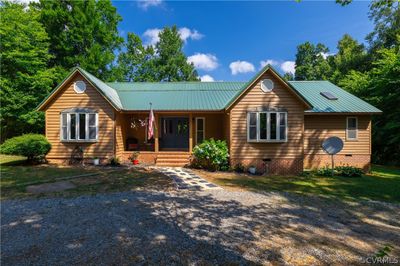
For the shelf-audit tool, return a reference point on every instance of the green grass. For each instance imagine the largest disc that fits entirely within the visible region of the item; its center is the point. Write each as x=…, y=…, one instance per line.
x=15, y=178
x=382, y=184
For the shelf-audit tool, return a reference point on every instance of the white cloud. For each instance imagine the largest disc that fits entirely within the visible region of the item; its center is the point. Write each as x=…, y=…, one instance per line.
x=241, y=67
x=206, y=78
x=145, y=4
x=268, y=62
x=288, y=66
x=187, y=33
x=206, y=62
x=151, y=35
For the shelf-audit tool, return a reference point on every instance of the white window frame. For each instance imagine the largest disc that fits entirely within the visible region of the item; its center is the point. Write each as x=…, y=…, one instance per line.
x=268, y=114
x=204, y=128
x=347, y=128
x=77, y=122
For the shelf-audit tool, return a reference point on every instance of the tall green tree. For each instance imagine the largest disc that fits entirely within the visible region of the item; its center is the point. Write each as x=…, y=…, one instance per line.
x=25, y=79
x=82, y=33
x=136, y=62
x=350, y=56
x=386, y=16
x=171, y=63
x=311, y=63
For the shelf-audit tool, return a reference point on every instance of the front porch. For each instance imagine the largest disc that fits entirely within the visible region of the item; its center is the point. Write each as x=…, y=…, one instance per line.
x=175, y=135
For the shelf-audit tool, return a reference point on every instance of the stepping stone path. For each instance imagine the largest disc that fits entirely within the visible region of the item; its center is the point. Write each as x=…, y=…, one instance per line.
x=186, y=179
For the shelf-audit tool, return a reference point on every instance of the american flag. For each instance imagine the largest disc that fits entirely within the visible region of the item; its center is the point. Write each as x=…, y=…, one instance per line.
x=150, y=131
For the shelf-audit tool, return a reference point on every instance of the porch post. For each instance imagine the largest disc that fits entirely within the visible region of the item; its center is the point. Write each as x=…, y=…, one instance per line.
x=190, y=133
x=156, y=149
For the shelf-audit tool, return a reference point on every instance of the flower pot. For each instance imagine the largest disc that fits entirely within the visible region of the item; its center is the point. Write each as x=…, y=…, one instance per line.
x=135, y=162
x=96, y=161
x=252, y=170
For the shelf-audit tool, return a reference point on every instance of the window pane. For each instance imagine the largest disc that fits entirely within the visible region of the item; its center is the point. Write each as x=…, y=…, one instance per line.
x=200, y=137
x=72, y=130
x=282, y=126
x=351, y=134
x=272, y=122
x=92, y=132
x=200, y=124
x=351, y=123
x=64, y=120
x=253, y=133
x=92, y=119
x=253, y=119
x=82, y=126
x=263, y=126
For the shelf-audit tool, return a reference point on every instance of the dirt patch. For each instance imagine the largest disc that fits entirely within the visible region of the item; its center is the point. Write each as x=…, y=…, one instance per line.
x=51, y=187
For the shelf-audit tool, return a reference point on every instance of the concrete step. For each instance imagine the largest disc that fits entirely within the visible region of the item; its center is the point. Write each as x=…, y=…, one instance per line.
x=171, y=164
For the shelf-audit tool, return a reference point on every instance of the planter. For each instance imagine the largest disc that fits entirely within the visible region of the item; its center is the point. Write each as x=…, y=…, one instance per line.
x=96, y=161
x=252, y=170
x=135, y=162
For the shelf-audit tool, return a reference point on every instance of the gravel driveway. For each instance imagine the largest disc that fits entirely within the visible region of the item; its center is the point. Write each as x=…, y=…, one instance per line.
x=197, y=228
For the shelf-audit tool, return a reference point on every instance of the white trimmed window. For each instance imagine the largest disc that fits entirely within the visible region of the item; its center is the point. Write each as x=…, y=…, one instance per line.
x=79, y=125
x=351, y=128
x=267, y=126
x=200, y=129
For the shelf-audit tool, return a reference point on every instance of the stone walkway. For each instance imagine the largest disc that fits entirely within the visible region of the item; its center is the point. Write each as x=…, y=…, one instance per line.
x=185, y=179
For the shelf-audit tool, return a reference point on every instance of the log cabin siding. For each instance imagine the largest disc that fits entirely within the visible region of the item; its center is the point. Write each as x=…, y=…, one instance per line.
x=67, y=98
x=280, y=97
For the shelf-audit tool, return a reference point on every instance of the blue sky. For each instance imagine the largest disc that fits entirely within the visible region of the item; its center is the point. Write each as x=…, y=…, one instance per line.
x=229, y=40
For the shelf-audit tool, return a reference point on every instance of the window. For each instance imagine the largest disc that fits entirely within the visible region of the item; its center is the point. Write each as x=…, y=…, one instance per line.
x=79, y=86
x=79, y=126
x=200, y=129
x=351, y=128
x=267, y=126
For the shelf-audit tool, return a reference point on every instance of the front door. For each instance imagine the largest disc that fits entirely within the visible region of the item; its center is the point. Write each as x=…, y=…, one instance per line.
x=175, y=133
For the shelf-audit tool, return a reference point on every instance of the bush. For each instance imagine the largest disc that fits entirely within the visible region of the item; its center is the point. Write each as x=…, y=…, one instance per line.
x=114, y=161
x=211, y=155
x=348, y=171
x=239, y=168
x=32, y=146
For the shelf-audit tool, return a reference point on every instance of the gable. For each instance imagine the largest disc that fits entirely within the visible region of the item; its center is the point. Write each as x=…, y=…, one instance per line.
x=282, y=90
x=95, y=84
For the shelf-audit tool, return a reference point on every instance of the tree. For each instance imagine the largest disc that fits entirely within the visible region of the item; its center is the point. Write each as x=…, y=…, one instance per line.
x=171, y=63
x=386, y=17
x=136, y=63
x=25, y=79
x=81, y=33
x=310, y=62
x=350, y=56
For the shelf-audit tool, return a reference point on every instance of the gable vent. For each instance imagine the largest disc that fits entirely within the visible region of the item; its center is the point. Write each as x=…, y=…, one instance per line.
x=328, y=95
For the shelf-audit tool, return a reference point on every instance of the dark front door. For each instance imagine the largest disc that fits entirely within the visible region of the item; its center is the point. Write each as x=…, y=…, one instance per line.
x=175, y=133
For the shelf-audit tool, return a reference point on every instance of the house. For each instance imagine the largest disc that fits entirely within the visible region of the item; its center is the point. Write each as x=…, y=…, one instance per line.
x=274, y=124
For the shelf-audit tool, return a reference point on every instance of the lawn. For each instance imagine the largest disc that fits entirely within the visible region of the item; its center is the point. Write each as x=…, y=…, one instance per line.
x=16, y=177
x=382, y=184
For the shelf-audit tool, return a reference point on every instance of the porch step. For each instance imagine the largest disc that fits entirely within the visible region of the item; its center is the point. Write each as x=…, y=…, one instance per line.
x=172, y=159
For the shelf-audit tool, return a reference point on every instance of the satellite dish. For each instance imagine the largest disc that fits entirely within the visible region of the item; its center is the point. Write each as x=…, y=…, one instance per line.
x=332, y=145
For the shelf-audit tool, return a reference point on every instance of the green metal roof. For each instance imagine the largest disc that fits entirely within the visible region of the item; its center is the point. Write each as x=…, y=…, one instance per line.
x=214, y=96
x=346, y=102
x=169, y=96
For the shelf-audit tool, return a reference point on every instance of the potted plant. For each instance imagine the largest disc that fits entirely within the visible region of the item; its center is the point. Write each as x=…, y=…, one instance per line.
x=96, y=160
x=133, y=157
x=252, y=170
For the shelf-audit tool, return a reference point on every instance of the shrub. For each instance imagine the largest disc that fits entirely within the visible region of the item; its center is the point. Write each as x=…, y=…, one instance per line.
x=32, y=146
x=348, y=171
x=212, y=155
x=114, y=161
x=324, y=171
x=239, y=168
